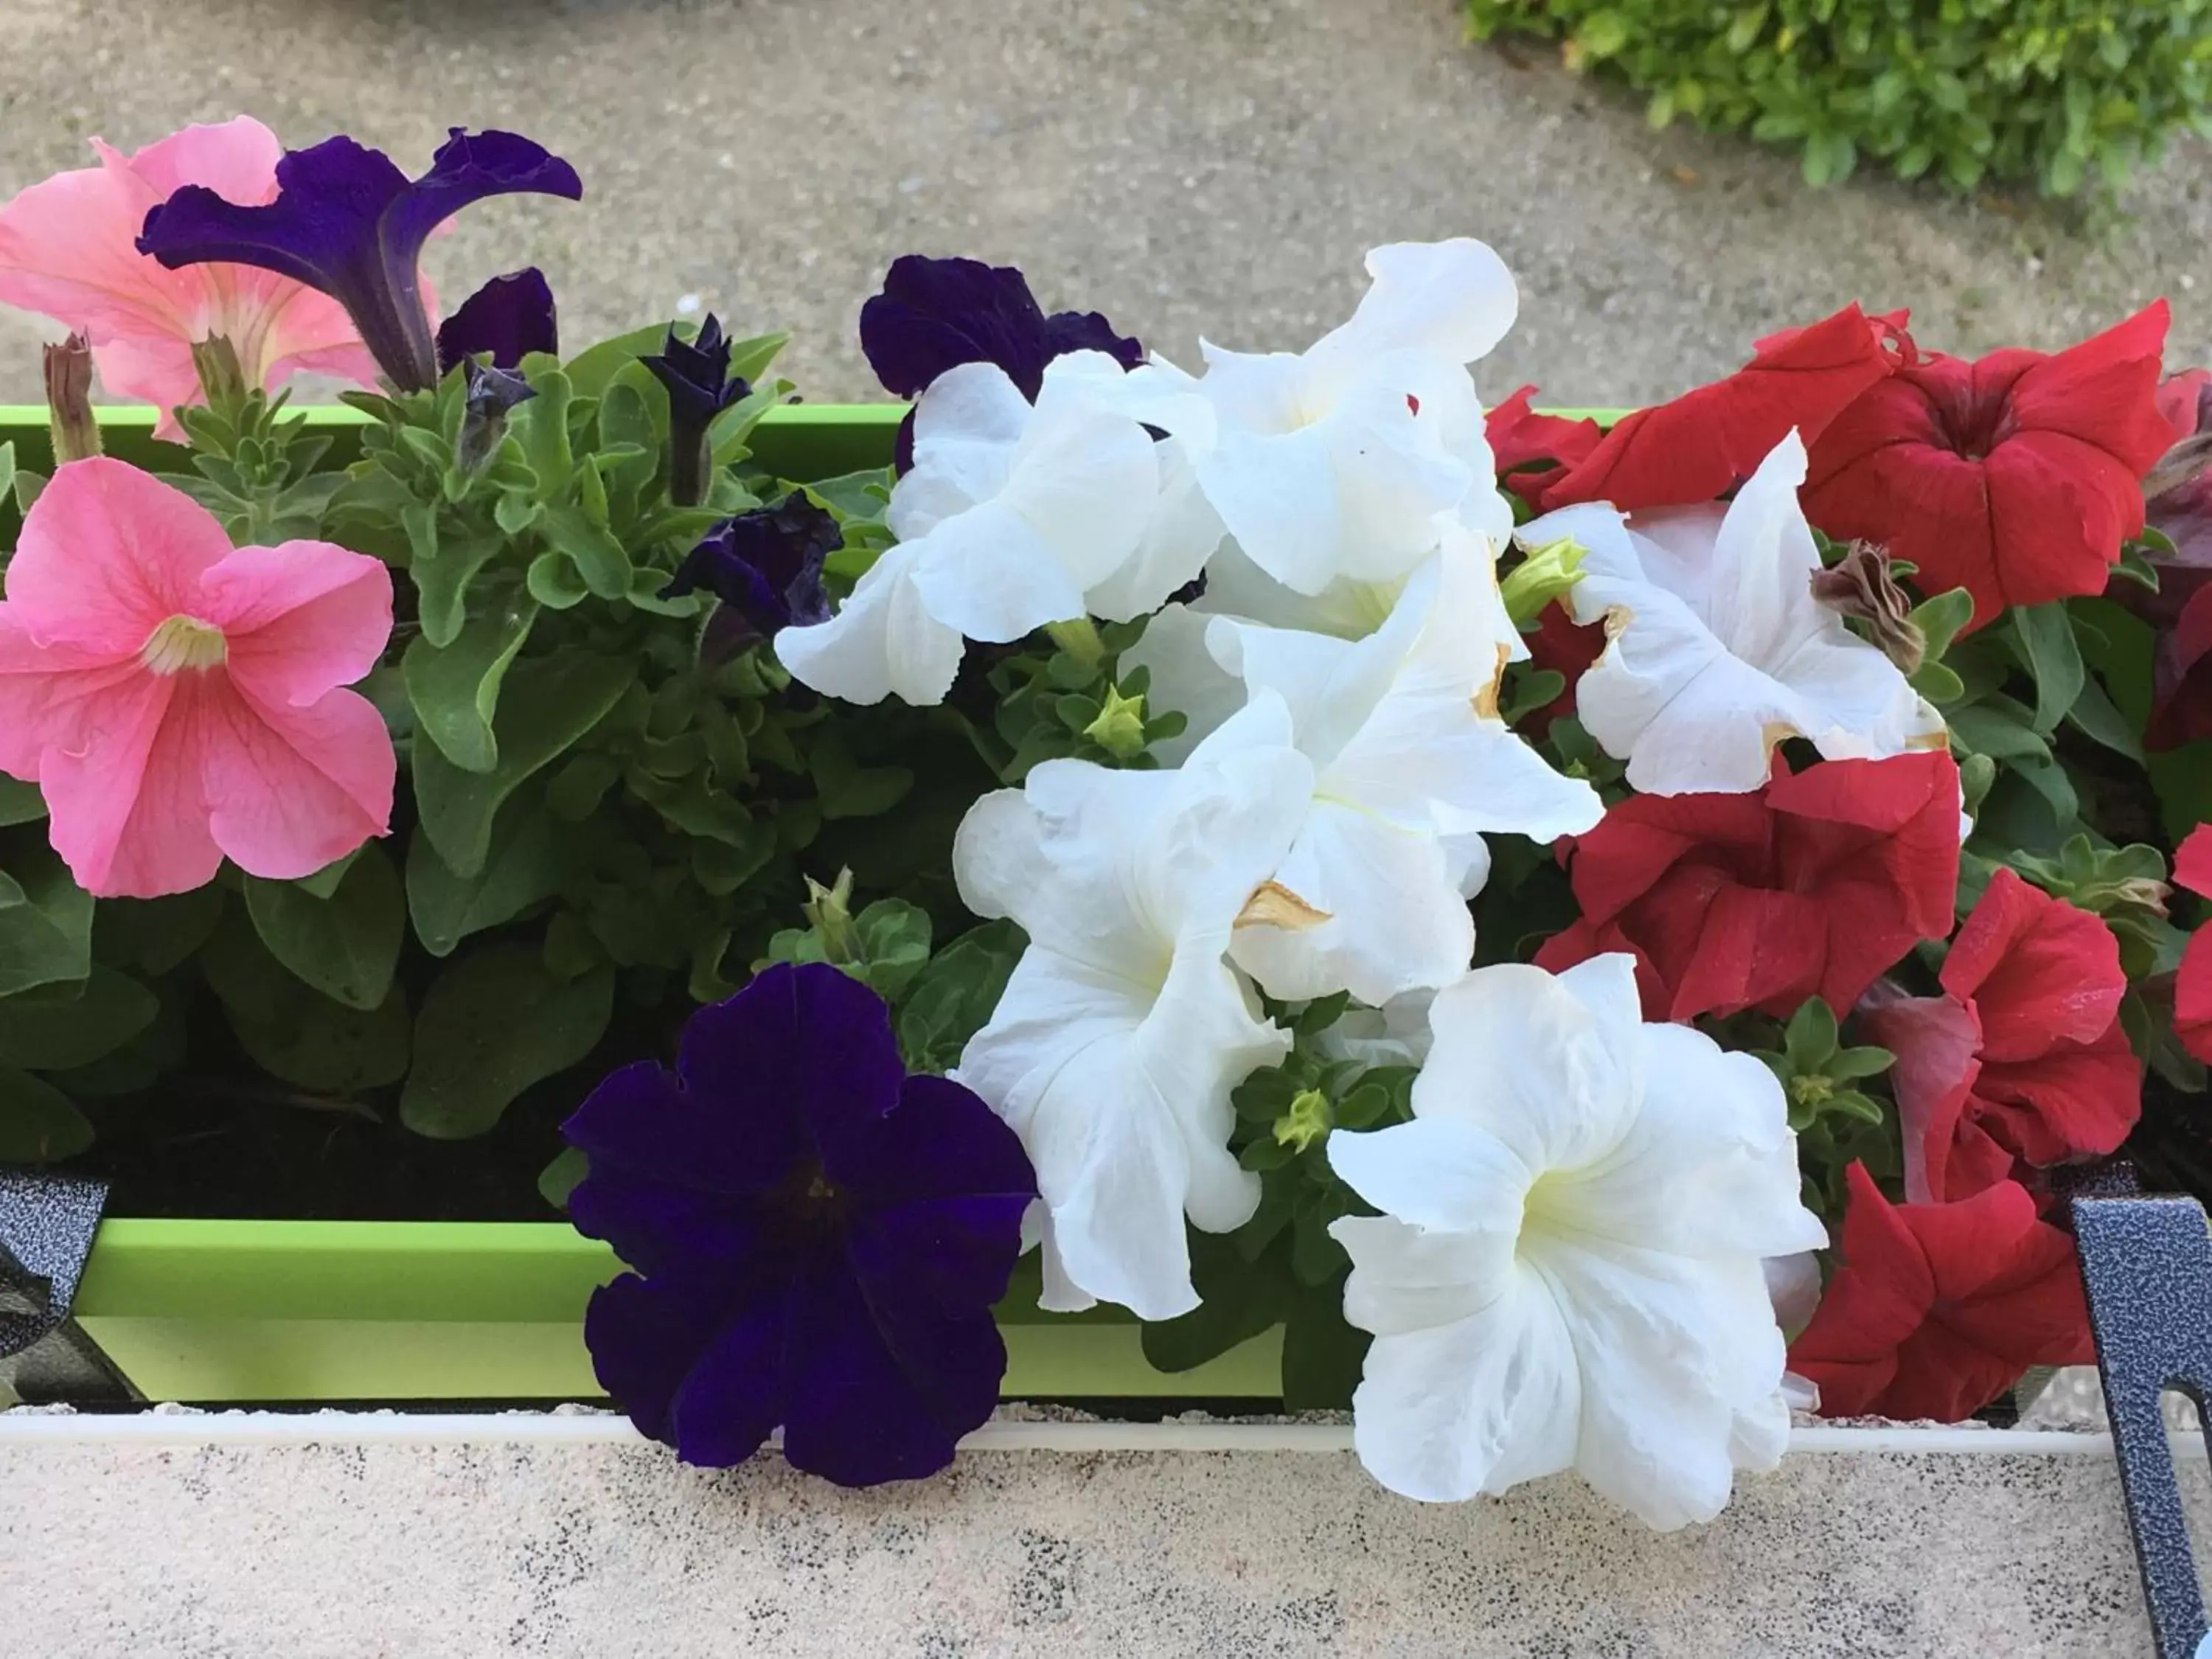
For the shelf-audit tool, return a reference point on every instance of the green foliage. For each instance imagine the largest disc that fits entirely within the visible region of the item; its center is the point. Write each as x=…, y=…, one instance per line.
x=2054, y=93
x=1836, y=1121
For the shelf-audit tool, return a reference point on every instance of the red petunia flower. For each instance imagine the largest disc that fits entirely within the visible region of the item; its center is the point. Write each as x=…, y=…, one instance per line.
x=1530, y=448
x=1707, y=441
x=1937, y=1308
x=2023, y=1059
x=2016, y=477
x=2192, y=986
x=1808, y=887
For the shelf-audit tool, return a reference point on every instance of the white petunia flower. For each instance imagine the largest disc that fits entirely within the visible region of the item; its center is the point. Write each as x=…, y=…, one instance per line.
x=1716, y=650
x=1567, y=1271
x=1114, y=1049
x=1010, y=517
x=1334, y=463
x=1412, y=765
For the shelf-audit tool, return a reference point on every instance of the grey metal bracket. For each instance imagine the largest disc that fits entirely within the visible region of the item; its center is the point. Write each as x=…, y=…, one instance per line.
x=47, y=1222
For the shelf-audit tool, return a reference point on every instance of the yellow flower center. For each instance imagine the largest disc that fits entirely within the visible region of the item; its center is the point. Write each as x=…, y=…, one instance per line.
x=183, y=642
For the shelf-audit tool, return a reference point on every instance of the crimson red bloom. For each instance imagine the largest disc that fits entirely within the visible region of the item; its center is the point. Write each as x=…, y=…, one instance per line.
x=1531, y=448
x=2192, y=986
x=2022, y=1060
x=1707, y=441
x=1937, y=1308
x=2016, y=477
x=1810, y=887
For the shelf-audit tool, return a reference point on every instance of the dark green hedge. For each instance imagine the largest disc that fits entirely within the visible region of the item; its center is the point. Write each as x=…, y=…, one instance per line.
x=2057, y=93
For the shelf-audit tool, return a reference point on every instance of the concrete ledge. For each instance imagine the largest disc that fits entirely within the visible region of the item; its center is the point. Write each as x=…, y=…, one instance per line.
x=449, y=1537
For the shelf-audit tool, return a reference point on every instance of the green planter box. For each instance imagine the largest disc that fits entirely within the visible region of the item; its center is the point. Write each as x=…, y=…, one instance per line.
x=207, y=1310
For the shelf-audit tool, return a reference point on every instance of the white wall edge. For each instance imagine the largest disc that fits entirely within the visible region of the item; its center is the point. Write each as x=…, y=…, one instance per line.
x=186, y=1428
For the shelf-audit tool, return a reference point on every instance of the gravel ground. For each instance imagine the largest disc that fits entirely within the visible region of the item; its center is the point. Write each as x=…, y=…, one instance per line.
x=1181, y=164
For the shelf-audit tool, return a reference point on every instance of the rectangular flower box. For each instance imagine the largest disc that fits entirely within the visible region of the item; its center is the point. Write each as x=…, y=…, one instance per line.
x=236, y=1310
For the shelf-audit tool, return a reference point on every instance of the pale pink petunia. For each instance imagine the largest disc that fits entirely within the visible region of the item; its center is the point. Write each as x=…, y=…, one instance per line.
x=68, y=250
x=178, y=700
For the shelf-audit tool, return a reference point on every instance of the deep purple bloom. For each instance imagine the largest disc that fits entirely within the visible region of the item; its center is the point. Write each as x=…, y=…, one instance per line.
x=509, y=318
x=700, y=387
x=349, y=222
x=934, y=314
x=765, y=566
x=819, y=1239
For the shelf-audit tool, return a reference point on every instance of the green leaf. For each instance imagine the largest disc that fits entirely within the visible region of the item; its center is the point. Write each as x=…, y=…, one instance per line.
x=454, y=691
x=2097, y=717
x=1323, y=1354
x=2045, y=636
x=445, y=561
x=492, y=1024
x=1940, y=618
x=562, y=1177
x=1810, y=1037
x=55, y=1027
x=346, y=945
x=325, y=882
x=1238, y=1301
x=600, y=561
x=954, y=993
x=39, y=1124
x=553, y=582
x=155, y=936
x=526, y=866
x=548, y=704
x=289, y=1029
x=849, y=790
x=19, y=802
x=590, y=370
x=541, y=426
x=48, y=936
x=1999, y=728
x=749, y=359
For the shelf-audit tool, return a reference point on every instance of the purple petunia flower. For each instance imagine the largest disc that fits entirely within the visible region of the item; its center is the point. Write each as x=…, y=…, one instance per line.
x=349, y=222
x=934, y=314
x=700, y=387
x=509, y=318
x=819, y=1239
x=765, y=566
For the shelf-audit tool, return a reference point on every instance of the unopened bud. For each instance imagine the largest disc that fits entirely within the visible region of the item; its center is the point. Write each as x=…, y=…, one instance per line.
x=1306, y=1120
x=1120, y=727
x=490, y=393
x=223, y=382
x=1550, y=573
x=829, y=910
x=69, y=400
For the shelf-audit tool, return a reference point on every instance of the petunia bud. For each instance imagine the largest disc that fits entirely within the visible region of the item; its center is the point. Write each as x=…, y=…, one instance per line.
x=829, y=912
x=1550, y=573
x=1120, y=727
x=1306, y=1121
x=215, y=360
x=69, y=400
x=491, y=393
x=1860, y=586
x=696, y=374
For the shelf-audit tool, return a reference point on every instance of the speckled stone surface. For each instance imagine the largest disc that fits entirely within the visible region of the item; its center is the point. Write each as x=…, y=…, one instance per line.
x=337, y=1551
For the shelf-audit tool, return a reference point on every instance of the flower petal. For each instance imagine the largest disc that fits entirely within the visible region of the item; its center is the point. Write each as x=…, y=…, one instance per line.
x=299, y=619
x=882, y=642
x=128, y=811
x=1477, y=1404
x=290, y=786
x=107, y=553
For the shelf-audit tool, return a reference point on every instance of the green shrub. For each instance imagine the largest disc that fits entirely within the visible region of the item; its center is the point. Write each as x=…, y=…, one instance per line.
x=2057, y=92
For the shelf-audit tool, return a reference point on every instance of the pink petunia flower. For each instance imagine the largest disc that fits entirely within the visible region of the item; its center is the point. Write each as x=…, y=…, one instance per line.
x=178, y=700
x=68, y=250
